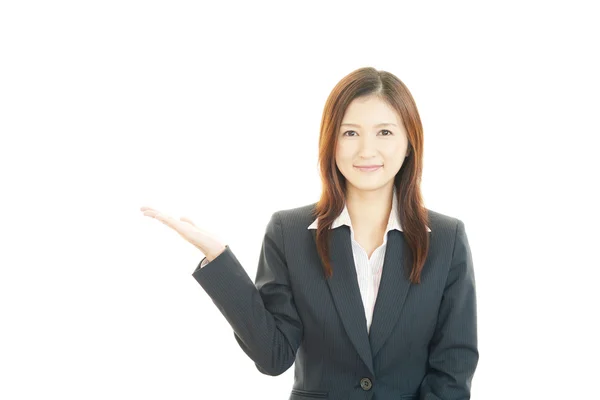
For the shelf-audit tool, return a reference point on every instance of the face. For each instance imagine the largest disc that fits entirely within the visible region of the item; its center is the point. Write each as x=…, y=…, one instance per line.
x=371, y=133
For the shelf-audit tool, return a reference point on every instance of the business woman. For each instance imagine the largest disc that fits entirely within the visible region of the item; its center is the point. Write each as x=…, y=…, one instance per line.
x=368, y=292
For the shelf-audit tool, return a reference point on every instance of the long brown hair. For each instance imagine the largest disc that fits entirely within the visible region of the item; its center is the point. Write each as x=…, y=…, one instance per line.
x=412, y=212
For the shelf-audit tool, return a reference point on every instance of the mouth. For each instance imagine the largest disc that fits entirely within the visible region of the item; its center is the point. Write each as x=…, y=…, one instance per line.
x=368, y=168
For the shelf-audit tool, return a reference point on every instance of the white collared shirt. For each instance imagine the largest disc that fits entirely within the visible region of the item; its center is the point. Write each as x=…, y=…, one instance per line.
x=368, y=270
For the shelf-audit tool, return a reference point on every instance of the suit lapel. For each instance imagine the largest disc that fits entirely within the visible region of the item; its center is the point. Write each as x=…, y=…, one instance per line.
x=343, y=285
x=344, y=289
x=392, y=292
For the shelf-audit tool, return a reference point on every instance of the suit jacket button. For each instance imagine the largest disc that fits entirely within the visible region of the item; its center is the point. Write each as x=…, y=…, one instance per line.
x=366, y=383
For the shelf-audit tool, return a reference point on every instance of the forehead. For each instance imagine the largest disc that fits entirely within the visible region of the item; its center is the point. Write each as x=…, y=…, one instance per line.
x=369, y=111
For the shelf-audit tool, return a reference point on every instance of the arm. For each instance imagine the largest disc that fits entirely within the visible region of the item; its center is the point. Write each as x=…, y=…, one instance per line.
x=453, y=353
x=263, y=316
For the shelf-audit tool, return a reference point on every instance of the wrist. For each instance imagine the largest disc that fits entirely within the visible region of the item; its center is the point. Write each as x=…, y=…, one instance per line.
x=214, y=254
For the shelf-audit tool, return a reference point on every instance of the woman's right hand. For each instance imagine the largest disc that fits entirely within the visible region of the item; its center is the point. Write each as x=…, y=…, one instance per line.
x=206, y=243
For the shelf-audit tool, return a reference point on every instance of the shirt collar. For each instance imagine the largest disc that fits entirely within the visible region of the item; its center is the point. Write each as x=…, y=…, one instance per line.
x=344, y=217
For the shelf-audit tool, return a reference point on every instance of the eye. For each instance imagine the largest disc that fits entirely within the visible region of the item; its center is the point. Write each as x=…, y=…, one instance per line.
x=384, y=130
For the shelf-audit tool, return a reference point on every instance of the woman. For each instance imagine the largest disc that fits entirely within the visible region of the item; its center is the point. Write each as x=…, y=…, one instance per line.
x=371, y=294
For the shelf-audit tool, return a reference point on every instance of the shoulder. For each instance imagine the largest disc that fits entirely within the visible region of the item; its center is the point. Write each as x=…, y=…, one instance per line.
x=442, y=221
x=301, y=216
x=292, y=223
x=445, y=227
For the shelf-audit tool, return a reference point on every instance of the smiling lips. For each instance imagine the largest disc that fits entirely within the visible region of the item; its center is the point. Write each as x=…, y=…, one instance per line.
x=367, y=168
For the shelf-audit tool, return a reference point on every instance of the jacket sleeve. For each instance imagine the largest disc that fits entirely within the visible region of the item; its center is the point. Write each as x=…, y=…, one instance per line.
x=453, y=353
x=263, y=315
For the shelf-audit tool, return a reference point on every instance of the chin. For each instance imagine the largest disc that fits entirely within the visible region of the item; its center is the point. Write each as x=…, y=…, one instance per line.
x=366, y=184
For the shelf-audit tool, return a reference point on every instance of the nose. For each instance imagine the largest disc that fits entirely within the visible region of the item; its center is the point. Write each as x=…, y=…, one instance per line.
x=367, y=147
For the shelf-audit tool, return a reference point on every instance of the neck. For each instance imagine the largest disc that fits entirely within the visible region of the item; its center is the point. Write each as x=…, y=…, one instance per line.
x=369, y=209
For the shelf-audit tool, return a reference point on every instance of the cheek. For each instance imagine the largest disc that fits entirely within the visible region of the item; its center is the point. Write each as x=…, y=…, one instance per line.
x=339, y=160
x=390, y=154
x=342, y=154
x=396, y=150
x=395, y=156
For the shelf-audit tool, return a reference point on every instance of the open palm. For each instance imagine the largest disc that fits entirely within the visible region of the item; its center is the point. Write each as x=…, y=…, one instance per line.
x=203, y=240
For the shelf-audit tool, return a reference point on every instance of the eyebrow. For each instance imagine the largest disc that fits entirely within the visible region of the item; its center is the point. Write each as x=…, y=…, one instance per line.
x=377, y=126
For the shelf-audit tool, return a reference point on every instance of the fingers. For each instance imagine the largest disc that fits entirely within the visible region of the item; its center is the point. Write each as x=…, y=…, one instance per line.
x=165, y=219
x=150, y=212
x=189, y=221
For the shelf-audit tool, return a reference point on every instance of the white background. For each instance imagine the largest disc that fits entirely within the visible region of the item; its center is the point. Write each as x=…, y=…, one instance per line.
x=212, y=112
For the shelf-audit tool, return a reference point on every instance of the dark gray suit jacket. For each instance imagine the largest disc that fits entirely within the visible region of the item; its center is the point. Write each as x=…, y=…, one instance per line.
x=423, y=338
